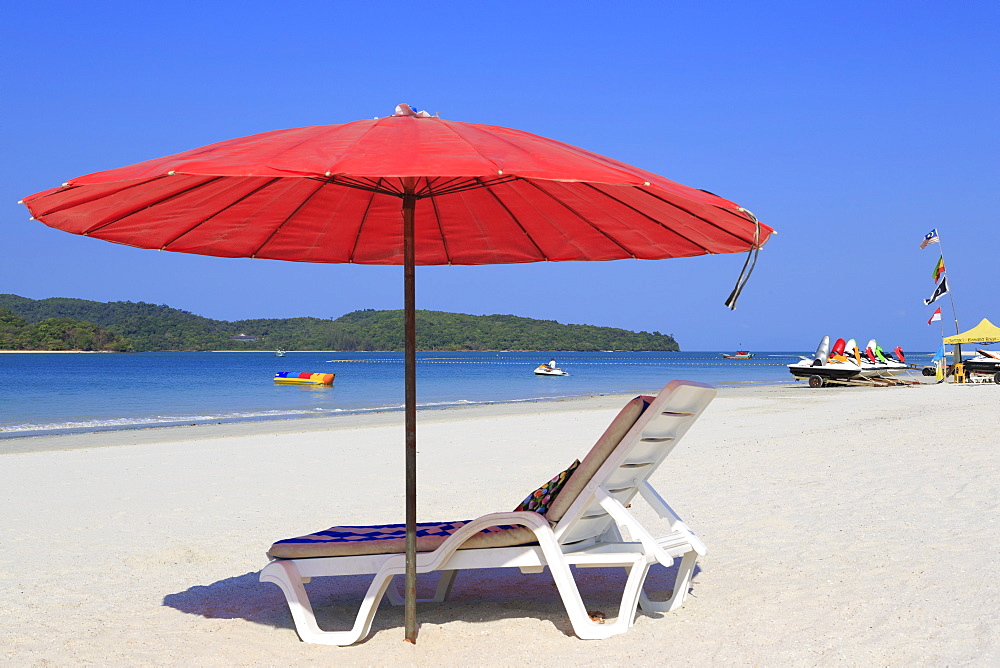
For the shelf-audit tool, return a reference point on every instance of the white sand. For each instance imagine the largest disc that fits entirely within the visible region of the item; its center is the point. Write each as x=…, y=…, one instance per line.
x=844, y=525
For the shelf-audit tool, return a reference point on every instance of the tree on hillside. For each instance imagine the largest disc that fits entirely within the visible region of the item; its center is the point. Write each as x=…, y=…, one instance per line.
x=14, y=334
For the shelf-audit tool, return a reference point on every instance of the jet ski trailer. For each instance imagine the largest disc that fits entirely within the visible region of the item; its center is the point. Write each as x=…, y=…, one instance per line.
x=838, y=367
x=821, y=368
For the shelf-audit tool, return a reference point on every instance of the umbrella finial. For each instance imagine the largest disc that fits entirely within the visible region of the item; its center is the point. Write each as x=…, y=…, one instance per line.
x=404, y=109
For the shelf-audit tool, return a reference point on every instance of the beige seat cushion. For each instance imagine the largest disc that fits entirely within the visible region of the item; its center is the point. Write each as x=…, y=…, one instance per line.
x=605, y=445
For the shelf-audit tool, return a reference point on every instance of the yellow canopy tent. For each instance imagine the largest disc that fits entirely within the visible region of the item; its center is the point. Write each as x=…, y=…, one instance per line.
x=984, y=332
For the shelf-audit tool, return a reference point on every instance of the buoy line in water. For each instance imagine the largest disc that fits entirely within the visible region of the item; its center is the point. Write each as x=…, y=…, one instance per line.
x=573, y=363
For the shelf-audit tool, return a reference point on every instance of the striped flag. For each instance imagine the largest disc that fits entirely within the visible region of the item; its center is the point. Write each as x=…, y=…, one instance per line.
x=935, y=316
x=938, y=269
x=930, y=238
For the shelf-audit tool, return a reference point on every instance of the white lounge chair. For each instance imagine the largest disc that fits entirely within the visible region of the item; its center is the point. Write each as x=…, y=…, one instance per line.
x=584, y=527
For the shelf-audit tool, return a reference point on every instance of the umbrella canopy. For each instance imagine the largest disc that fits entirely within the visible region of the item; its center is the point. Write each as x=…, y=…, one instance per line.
x=485, y=195
x=406, y=189
x=984, y=332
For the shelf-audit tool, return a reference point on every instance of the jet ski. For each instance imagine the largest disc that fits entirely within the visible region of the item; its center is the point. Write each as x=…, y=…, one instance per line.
x=985, y=362
x=877, y=362
x=826, y=364
x=546, y=370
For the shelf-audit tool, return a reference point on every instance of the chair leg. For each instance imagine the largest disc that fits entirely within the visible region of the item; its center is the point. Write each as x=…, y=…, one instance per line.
x=441, y=594
x=392, y=593
x=583, y=626
x=637, y=572
x=633, y=590
x=284, y=573
x=443, y=590
x=681, y=584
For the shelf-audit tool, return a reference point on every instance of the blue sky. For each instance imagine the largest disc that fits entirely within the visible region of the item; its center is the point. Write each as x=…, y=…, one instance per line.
x=853, y=130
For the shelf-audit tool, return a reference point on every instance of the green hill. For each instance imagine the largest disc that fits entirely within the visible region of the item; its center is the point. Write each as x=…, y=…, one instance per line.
x=16, y=333
x=150, y=327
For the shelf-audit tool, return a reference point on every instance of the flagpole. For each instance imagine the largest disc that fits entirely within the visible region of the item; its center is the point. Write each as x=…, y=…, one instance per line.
x=956, y=349
x=954, y=313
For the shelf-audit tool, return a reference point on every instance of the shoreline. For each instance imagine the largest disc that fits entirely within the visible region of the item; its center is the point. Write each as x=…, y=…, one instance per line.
x=134, y=435
x=168, y=390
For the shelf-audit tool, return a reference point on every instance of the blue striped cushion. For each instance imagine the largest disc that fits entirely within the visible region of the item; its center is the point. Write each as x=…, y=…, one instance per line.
x=391, y=539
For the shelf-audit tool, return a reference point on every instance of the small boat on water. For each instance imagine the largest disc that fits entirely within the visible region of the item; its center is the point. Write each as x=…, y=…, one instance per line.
x=279, y=353
x=304, y=378
x=546, y=370
x=739, y=355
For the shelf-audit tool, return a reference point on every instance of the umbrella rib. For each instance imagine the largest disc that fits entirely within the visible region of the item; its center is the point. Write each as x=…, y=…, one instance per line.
x=437, y=219
x=517, y=222
x=228, y=206
x=361, y=184
x=581, y=217
x=472, y=183
x=95, y=197
x=444, y=189
x=288, y=218
x=374, y=185
x=151, y=204
x=364, y=219
x=650, y=218
x=701, y=218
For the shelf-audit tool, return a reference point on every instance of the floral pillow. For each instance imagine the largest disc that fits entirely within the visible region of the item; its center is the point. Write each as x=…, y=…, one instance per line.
x=540, y=500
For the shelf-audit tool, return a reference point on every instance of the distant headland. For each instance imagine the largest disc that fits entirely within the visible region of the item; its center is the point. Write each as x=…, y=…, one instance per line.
x=62, y=323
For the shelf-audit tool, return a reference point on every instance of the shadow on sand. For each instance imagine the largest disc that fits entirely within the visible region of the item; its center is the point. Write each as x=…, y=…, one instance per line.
x=478, y=596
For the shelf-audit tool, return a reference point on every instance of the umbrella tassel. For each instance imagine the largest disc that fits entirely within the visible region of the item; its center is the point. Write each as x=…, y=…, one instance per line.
x=748, y=266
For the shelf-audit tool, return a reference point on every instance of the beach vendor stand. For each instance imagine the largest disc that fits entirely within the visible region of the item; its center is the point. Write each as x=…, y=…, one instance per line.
x=984, y=332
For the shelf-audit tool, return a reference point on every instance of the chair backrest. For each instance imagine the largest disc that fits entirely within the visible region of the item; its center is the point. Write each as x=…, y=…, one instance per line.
x=620, y=464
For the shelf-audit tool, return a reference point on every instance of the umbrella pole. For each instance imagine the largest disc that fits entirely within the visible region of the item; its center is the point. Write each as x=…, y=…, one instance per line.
x=410, y=363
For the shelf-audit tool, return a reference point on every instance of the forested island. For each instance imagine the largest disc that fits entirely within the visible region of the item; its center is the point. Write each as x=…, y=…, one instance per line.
x=61, y=323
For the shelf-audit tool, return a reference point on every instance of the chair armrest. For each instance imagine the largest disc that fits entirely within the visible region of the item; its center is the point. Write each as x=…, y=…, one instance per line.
x=431, y=561
x=659, y=505
x=666, y=512
x=639, y=532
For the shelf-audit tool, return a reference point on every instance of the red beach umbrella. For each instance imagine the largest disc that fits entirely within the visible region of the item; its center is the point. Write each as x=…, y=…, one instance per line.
x=406, y=189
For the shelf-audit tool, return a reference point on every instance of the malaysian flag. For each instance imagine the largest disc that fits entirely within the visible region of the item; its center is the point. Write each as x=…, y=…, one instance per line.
x=930, y=238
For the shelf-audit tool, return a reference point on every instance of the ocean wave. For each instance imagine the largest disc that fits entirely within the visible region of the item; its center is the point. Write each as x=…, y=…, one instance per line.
x=155, y=421
x=122, y=423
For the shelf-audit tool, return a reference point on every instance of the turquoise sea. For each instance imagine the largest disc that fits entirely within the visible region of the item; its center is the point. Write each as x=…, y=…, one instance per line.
x=47, y=393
